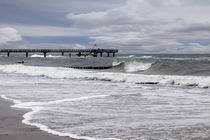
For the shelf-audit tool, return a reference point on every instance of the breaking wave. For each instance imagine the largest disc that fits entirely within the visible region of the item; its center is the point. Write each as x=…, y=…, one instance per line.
x=136, y=66
x=58, y=72
x=133, y=66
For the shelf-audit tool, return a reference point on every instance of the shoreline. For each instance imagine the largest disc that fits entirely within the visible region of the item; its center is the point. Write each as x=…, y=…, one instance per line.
x=12, y=128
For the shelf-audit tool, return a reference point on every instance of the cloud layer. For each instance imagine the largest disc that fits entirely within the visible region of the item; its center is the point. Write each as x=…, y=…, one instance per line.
x=133, y=26
x=9, y=34
x=170, y=26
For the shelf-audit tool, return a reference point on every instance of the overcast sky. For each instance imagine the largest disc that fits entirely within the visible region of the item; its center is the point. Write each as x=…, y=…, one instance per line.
x=133, y=26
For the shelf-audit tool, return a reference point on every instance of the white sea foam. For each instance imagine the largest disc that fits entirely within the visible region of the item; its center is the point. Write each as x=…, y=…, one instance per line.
x=146, y=56
x=29, y=105
x=117, y=63
x=136, y=66
x=58, y=72
x=77, y=99
x=42, y=56
x=36, y=109
x=133, y=66
x=28, y=116
x=130, y=56
x=10, y=99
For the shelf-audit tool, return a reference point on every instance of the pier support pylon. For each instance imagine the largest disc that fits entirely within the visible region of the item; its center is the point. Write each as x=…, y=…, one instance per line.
x=45, y=54
x=26, y=54
x=113, y=54
x=107, y=54
x=95, y=54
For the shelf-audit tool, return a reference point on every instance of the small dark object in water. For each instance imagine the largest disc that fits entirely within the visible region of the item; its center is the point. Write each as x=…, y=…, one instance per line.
x=20, y=62
x=148, y=83
x=173, y=82
x=192, y=85
x=98, y=68
x=205, y=87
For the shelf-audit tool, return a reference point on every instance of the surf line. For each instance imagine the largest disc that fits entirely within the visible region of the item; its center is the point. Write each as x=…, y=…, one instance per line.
x=35, y=109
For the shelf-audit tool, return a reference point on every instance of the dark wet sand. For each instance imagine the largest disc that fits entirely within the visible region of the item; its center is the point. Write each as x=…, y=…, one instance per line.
x=12, y=128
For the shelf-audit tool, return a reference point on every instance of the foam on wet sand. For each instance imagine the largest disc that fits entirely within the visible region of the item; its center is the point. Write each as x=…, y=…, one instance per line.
x=12, y=128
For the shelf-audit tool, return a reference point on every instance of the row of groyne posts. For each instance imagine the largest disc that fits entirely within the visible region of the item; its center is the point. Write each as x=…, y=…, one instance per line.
x=79, y=52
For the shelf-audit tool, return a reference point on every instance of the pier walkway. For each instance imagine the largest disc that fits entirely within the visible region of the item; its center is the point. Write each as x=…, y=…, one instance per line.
x=78, y=52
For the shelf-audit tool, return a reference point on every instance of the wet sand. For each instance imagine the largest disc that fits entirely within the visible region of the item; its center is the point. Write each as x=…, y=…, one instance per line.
x=12, y=128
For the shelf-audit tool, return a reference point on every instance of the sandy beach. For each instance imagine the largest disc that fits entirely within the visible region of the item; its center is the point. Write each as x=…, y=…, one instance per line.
x=12, y=128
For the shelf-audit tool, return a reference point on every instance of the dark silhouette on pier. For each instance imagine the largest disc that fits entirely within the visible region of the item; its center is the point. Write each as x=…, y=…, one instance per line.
x=79, y=52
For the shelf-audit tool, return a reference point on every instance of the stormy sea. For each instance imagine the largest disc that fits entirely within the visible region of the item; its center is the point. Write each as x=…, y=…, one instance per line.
x=153, y=96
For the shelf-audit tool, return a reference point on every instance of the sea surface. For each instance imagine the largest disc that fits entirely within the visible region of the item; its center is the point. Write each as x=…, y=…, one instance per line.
x=143, y=96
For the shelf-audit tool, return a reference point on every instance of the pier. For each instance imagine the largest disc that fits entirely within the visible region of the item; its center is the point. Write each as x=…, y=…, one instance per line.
x=78, y=52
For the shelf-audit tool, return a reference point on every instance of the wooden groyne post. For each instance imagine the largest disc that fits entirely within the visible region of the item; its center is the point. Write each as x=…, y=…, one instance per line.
x=78, y=52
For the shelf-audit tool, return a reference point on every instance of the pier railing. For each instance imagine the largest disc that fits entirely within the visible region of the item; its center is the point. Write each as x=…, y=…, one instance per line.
x=79, y=52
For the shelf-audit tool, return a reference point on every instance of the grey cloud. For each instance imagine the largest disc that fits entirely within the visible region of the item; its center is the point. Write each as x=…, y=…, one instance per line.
x=204, y=27
x=148, y=25
x=48, y=12
x=8, y=34
x=196, y=2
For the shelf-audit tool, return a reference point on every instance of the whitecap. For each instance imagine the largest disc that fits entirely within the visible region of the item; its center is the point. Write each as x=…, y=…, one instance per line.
x=42, y=56
x=136, y=66
x=58, y=72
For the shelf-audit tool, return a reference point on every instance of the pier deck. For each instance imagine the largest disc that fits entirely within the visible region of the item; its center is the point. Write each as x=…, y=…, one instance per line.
x=79, y=52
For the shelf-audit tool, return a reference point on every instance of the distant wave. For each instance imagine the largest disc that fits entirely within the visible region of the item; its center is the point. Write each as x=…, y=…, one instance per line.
x=129, y=56
x=42, y=56
x=146, y=56
x=58, y=72
x=134, y=56
x=184, y=58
